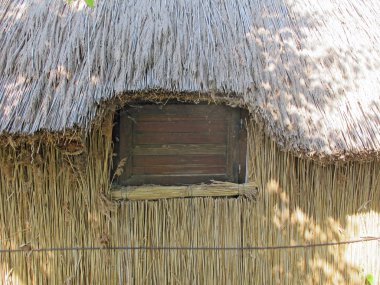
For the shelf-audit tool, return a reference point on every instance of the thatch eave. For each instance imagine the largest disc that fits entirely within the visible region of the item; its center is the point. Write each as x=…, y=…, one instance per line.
x=308, y=72
x=106, y=109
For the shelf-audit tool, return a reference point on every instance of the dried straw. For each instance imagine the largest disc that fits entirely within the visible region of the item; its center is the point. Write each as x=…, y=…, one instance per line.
x=61, y=201
x=308, y=69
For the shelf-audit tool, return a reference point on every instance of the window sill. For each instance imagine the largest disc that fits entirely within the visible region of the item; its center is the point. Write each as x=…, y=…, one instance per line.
x=155, y=192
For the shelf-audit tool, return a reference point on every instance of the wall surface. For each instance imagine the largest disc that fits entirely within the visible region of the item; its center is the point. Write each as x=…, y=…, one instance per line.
x=50, y=199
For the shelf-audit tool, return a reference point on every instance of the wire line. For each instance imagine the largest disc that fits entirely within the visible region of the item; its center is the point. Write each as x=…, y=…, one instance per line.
x=27, y=248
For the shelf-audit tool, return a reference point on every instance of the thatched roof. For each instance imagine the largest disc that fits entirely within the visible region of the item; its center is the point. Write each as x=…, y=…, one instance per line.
x=308, y=69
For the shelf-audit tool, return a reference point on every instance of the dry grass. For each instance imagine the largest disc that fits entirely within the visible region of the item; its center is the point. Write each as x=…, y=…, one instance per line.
x=60, y=200
x=309, y=69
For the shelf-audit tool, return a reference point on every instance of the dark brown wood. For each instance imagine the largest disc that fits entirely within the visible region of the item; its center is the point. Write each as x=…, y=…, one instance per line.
x=184, y=169
x=178, y=117
x=232, y=146
x=176, y=126
x=178, y=160
x=181, y=144
x=179, y=149
x=242, y=145
x=174, y=179
x=116, y=142
x=126, y=146
x=180, y=138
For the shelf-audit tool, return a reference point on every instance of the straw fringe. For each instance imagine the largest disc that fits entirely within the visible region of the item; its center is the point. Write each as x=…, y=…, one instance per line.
x=62, y=201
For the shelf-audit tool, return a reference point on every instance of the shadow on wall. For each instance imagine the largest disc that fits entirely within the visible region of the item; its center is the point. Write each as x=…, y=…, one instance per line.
x=309, y=203
x=343, y=264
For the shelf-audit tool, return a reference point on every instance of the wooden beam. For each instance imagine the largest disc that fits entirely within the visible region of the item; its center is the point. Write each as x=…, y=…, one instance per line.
x=155, y=192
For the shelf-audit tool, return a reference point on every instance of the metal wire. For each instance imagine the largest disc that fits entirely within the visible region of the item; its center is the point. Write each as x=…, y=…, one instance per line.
x=28, y=248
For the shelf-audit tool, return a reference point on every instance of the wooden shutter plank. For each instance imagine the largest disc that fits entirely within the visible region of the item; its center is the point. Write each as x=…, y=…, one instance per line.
x=126, y=145
x=242, y=145
x=179, y=149
x=232, y=146
x=148, y=160
x=178, y=117
x=180, y=138
x=199, y=126
x=180, y=179
x=116, y=146
x=174, y=169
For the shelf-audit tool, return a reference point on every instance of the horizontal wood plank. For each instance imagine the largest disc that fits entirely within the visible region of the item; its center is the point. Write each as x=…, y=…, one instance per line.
x=173, y=179
x=179, y=149
x=188, y=169
x=180, y=138
x=215, y=189
x=199, y=126
x=178, y=117
x=154, y=160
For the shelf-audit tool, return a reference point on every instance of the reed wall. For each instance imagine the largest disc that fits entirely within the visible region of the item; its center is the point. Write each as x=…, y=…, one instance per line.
x=52, y=199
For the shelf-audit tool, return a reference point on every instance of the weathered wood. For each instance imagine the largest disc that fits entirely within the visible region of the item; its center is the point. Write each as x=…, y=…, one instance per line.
x=116, y=147
x=232, y=162
x=154, y=192
x=180, y=169
x=180, y=138
x=178, y=160
x=242, y=146
x=178, y=117
x=176, y=126
x=126, y=146
x=174, y=179
x=180, y=144
x=180, y=149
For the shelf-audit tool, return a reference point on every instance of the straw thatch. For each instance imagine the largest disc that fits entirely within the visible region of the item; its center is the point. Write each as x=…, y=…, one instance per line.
x=51, y=199
x=308, y=69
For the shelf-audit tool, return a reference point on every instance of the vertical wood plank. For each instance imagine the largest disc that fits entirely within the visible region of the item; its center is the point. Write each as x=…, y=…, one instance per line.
x=126, y=145
x=242, y=140
x=233, y=146
x=116, y=143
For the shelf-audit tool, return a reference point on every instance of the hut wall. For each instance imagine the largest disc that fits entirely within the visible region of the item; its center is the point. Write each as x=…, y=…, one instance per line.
x=50, y=199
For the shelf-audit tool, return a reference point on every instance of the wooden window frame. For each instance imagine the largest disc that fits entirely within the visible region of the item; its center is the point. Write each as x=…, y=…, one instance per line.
x=235, y=150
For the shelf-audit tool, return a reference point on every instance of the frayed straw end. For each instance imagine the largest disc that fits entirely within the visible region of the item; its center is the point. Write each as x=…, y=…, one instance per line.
x=250, y=192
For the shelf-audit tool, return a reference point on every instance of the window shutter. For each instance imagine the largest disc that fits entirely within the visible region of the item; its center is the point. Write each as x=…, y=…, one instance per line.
x=179, y=144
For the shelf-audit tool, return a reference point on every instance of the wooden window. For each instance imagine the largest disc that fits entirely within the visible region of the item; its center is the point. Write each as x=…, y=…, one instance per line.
x=180, y=144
